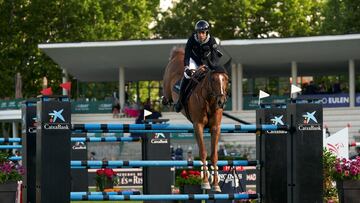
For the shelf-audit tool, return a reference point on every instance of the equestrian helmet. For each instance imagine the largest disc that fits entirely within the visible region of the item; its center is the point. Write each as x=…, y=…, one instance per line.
x=202, y=25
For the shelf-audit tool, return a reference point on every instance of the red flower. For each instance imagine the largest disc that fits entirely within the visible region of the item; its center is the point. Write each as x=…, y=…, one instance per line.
x=109, y=172
x=347, y=173
x=184, y=174
x=100, y=172
x=192, y=172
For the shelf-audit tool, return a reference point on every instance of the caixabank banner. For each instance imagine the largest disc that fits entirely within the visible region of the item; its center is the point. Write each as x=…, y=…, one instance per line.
x=304, y=154
x=53, y=149
x=271, y=151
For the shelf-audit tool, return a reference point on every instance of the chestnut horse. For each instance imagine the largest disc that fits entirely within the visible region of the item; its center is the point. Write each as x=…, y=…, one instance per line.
x=205, y=108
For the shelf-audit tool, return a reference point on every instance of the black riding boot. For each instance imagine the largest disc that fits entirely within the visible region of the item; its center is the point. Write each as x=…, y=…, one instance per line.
x=181, y=100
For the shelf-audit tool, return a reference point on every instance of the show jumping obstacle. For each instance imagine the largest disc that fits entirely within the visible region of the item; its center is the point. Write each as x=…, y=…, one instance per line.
x=299, y=133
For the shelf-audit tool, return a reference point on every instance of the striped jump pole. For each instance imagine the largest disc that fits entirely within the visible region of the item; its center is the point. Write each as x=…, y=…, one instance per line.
x=175, y=128
x=164, y=197
x=125, y=192
x=15, y=158
x=105, y=139
x=354, y=144
x=82, y=139
x=156, y=163
x=2, y=140
x=10, y=147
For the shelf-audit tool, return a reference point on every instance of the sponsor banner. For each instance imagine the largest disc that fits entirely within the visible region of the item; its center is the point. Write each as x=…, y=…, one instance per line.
x=333, y=100
x=10, y=104
x=237, y=177
x=251, y=103
x=129, y=177
x=186, y=135
x=91, y=107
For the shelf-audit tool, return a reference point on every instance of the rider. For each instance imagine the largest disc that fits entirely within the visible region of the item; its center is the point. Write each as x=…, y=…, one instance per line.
x=201, y=49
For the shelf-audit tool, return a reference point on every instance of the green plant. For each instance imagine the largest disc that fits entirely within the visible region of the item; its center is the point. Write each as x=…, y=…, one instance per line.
x=9, y=171
x=105, y=178
x=330, y=192
x=188, y=177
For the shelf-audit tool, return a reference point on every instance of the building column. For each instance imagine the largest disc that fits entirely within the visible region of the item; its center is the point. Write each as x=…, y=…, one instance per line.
x=294, y=71
x=239, y=87
x=234, y=87
x=352, y=82
x=122, y=86
x=15, y=133
x=65, y=78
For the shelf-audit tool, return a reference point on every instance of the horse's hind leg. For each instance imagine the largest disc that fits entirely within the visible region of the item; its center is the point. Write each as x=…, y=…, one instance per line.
x=199, y=132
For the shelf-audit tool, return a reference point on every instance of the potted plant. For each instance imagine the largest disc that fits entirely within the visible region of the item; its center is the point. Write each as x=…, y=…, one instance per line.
x=10, y=174
x=105, y=178
x=189, y=182
x=346, y=173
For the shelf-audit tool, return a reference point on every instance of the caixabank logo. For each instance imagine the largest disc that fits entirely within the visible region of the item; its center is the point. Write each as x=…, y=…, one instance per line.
x=79, y=145
x=56, y=121
x=310, y=122
x=159, y=138
x=277, y=120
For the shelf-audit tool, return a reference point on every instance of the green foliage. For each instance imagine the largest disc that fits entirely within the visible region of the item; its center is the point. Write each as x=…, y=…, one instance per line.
x=243, y=18
x=341, y=17
x=25, y=24
x=330, y=191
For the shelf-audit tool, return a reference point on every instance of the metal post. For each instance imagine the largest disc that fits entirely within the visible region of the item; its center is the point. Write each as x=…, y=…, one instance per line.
x=122, y=87
x=294, y=71
x=352, y=82
x=234, y=87
x=239, y=87
x=65, y=78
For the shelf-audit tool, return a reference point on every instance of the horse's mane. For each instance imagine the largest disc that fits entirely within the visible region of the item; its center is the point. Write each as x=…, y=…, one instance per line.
x=176, y=51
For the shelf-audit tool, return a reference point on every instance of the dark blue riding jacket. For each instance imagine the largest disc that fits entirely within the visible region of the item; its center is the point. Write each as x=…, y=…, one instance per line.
x=203, y=54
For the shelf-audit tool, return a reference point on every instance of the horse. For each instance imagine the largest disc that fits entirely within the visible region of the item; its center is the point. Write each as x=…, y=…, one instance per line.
x=204, y=108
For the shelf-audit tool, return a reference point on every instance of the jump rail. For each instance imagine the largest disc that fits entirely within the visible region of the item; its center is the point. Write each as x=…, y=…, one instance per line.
x=165, y=197
x=156, y=163
x=179, y=128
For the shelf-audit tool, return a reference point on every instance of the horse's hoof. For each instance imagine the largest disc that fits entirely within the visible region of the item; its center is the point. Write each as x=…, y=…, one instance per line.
x=216, y=188
x=205, y=186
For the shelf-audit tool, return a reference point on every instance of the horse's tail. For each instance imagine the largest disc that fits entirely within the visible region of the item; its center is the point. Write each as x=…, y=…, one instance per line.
x=176, y=51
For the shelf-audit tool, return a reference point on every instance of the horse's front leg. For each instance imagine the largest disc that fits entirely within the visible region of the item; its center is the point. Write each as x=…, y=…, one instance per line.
x=199, y=134
x=215, y=135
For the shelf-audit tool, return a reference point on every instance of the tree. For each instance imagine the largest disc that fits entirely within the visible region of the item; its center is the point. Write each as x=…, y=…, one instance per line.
x=27, y=23
x=243, y=19
x=341, y=17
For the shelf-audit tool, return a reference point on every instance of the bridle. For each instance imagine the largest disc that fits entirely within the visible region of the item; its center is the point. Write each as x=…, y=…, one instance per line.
x=212, y=92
